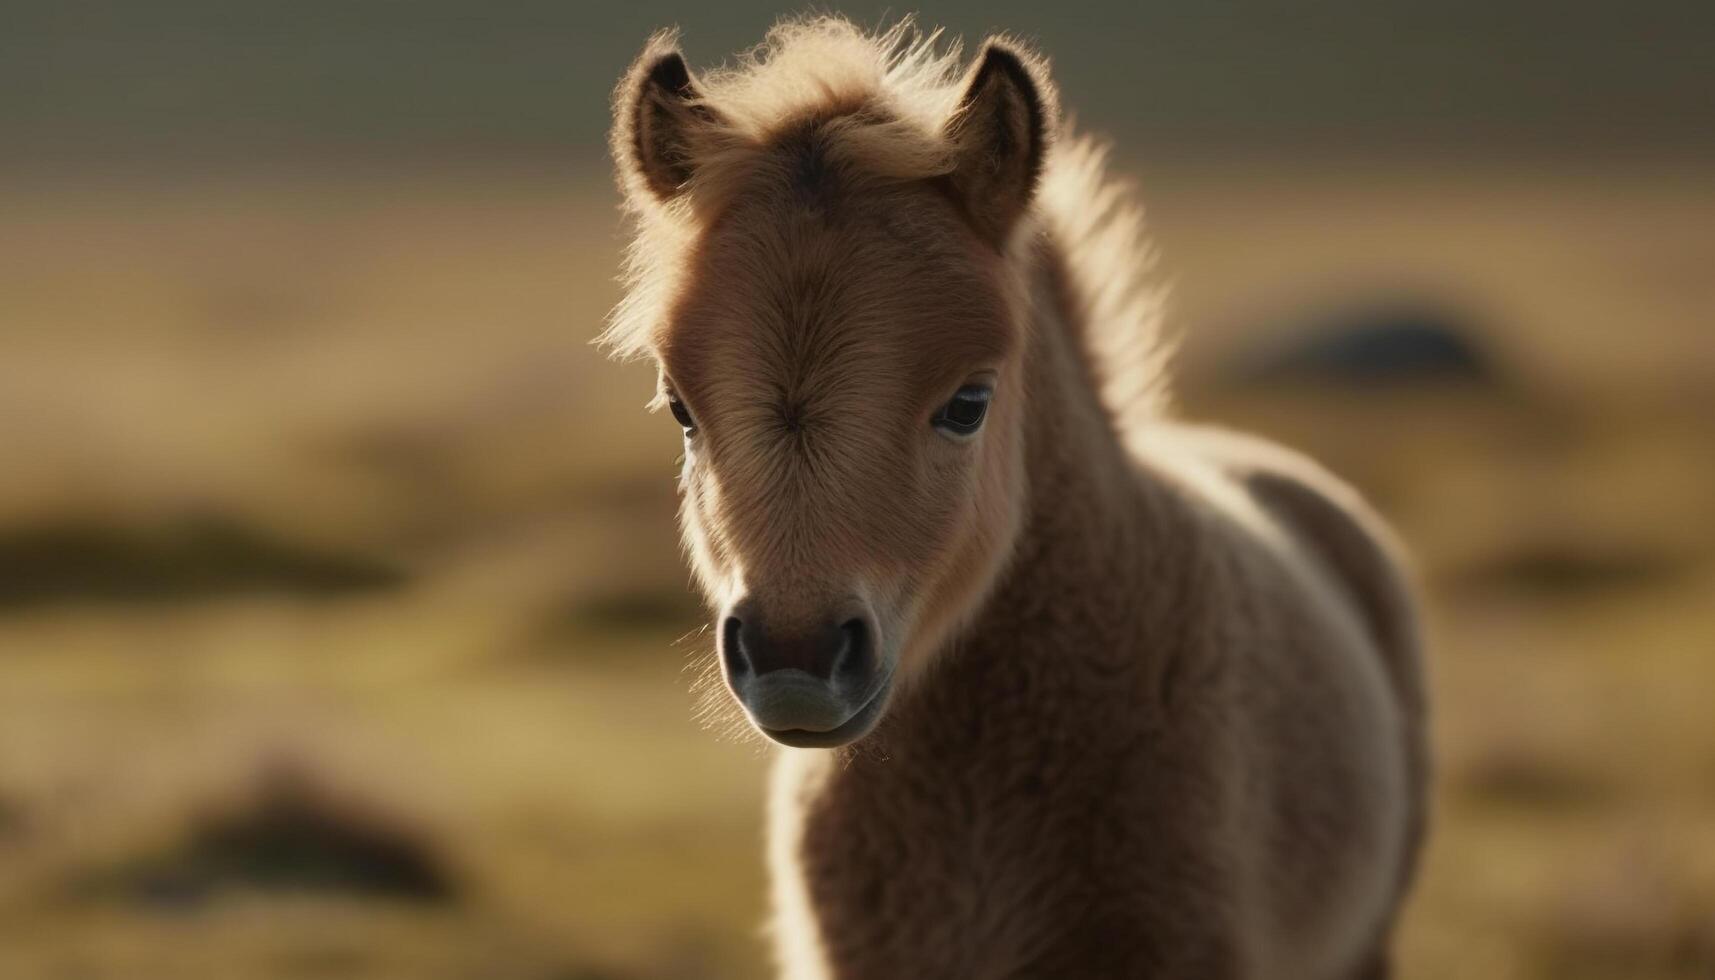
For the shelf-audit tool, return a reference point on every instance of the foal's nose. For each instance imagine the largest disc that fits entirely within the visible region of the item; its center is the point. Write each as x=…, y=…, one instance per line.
x=832, y=651
x=808, y=681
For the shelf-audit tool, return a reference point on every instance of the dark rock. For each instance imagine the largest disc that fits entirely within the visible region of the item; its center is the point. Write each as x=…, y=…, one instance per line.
x=640, y=610
x=1381, y=344
x=295, y=836
x=199, y=557
x=13, y=823
x=1557, y=569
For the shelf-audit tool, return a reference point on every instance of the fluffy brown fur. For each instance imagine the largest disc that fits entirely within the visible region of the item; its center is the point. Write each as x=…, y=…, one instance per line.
x=1157, y=707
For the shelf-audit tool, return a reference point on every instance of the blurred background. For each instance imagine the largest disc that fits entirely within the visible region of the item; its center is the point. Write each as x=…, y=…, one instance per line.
x=343, y=626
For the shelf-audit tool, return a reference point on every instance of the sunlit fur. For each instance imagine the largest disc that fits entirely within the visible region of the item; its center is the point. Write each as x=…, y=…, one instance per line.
x=814, y=66
x=1157, y=707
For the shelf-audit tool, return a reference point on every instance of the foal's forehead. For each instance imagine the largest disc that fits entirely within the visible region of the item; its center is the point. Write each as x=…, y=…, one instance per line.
x=807, y=283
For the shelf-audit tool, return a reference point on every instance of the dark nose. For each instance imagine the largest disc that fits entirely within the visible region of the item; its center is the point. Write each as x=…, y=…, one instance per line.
x=835, y=652
x=806, y=681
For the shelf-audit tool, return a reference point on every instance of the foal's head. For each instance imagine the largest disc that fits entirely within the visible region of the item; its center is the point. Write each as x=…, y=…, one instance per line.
x=825, y=276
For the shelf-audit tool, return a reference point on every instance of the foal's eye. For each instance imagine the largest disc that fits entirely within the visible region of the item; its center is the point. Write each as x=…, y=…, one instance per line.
x=963, y=414
x=681, y=414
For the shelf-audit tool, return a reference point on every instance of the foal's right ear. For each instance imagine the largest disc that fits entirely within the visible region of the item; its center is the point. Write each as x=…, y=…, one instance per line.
x=659, y=120
x=1000, y=136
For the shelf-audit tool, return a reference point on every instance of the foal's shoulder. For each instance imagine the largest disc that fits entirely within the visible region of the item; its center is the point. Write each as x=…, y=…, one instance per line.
x=1287, y=494
x=1287, y=485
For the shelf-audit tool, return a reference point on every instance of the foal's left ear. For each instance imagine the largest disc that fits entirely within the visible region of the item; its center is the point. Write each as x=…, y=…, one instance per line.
x=661, y=122
x=1000, y=137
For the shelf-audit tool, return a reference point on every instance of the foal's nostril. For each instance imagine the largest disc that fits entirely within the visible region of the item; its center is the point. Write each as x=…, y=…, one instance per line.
x=843, y=655
x=853, y=659
x=732, y=647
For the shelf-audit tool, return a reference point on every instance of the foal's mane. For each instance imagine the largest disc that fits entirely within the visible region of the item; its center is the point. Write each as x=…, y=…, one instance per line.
x=886, y=97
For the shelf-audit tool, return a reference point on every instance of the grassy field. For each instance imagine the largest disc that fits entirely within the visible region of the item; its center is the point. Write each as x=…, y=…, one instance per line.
x=343, y=628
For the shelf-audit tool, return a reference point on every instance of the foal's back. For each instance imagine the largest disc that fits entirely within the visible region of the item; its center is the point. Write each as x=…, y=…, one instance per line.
x=1326, y=682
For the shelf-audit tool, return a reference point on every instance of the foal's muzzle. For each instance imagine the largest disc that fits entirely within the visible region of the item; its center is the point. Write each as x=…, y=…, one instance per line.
x=817, y=686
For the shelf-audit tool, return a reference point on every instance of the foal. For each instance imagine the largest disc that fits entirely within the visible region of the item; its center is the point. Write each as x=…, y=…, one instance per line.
x=1070, y=689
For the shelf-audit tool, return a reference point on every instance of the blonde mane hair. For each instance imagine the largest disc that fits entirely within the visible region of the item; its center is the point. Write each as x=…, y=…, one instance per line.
x=885, y=99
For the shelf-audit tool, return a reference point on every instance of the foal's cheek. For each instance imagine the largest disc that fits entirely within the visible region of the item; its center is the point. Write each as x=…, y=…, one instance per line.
x=947, y=505
x=697, y=527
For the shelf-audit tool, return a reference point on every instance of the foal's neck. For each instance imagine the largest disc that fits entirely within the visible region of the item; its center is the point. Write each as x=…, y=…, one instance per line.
x=1086, y=506
x=1061, y=630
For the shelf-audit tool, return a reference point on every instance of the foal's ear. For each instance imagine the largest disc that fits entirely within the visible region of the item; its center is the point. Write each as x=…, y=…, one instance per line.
x=659, y=120
x=1000, y=137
